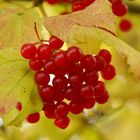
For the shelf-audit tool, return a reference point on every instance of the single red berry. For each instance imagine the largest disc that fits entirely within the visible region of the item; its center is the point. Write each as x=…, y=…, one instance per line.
x=28, y=51
x=35, y=64
x=76, y=107
x=102, y=99
x=125, y=25
x=86, y=91
x=99, y=89
x=106, y=55
x=44, y=52
x=119, y=8
x=74, y=54
x=59, y=96
x=75, y=69
x=62, y=123
x=60, y=59
x=55, y=42
x=60, y=83
x=70, y=93
x=42, y=78
x=47, y=93
x=49, y=110
x=109, y=72
x=19, y=106
x=79, y=5
x=76, y=80
x=89, y=103
x=91, y=78
x=100, y=63
x=49, y=67
x=88, y=62
x=61, y=110
x=33, y=118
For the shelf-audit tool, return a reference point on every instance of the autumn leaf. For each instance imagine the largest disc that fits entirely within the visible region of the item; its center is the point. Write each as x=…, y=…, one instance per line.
x=76, y=29
x=16, y=79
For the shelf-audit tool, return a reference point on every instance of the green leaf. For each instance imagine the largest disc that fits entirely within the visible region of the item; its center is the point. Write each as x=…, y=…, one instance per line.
x=17, y=80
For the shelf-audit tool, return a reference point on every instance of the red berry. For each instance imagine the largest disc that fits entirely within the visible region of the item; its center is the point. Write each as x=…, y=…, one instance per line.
x=35, y=64
x=59, y=96
x=47, y=93
x=49, y=110
x=62, y=123
x=88, y=2
x=102, y=99
x=44, y=52
x=60, y=59
x=86, y=91
x=70, y=93
x=125, y=25
x=28, y=51
x=79, y=5
x=42, y=78
x=91, y=78
x=109, y=72
x=75, y=69
x=76, y=107
x=99, y=89
x=55, y=42
x=49, y=67
x=119, y=8
x=61, y=110
x=33, y=118
x=100, y=63
x=88, y=62
x=52, y=1
x=19, y=106
x=89, y=103
x=60, y=83
x=74, y=55
x=106, y=55
x=76, y=80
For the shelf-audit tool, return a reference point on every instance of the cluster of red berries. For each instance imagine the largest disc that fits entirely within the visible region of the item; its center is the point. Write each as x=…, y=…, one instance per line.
x=74, y=84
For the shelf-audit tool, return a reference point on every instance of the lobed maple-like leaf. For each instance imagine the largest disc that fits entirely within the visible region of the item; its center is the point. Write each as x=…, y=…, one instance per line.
x=16, y=79
x=75, y=28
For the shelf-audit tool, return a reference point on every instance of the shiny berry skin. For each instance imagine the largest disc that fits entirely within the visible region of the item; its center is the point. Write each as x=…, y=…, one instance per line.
x=60, y=59
x=61, y=110
x=119, y=8
x=99, y=89
x=74, y=55
x=60, y=83
x=70, y=93
x=19, y=106
x=76, y=80
x=125, y=25
x=55, y=42
x=28, y=51
x=109, y=72
x=79, y=5
x=91, y=78
x=76, y=107
x=44, y=52
x=47, y=93
x=89, y=103
x=100, y=63
x=102, y=99
x=49, y=67
x=33, y=118
x=49, y=110
x=42, y=78
x=62, y=122
x=88, y=62
x=35, y=64
x=106, y=55
x=86, y=91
